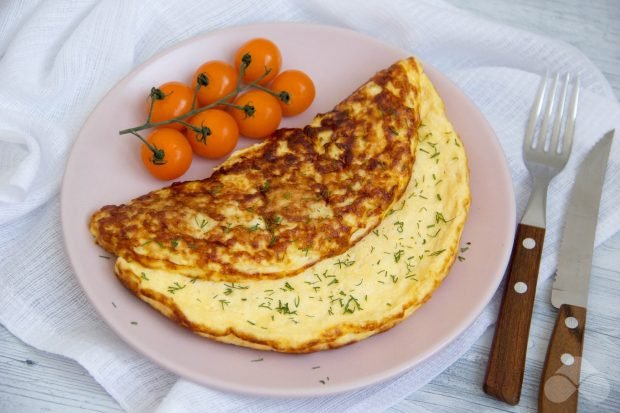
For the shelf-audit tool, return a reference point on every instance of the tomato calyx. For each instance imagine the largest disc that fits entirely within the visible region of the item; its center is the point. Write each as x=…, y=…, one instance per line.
x=246, y=60
x=159, y=155
x=157, y=94
x=284, y=96
x=202, y=80
x=204, y=132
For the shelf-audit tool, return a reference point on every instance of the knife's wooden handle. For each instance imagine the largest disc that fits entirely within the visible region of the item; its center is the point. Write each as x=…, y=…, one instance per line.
x=504, y=375
x=559, y=387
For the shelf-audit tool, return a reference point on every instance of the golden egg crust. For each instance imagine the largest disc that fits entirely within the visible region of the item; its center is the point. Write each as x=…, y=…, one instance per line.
x=366, y=289
x=278, y=207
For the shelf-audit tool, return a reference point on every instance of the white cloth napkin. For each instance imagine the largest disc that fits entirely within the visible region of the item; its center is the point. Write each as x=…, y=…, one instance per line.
x=59, y=57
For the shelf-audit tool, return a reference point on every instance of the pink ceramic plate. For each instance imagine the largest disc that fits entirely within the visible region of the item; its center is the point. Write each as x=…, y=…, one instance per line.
x=104, y=168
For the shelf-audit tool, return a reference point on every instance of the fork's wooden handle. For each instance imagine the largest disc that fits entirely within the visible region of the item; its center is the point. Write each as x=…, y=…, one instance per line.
x=504, y=375
x=559, y=387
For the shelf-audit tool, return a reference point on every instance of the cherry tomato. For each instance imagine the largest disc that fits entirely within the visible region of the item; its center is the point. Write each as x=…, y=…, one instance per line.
x=265, y=55
x=300, y=90
x=177, y=100
x=173, y=154
x=222, y=134
x=222, y=79
x=265, y=119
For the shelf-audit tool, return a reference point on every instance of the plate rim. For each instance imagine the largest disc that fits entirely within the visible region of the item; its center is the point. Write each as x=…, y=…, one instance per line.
x=368, y=379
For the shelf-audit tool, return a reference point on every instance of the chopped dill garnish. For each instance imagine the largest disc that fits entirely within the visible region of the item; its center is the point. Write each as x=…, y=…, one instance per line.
x=347, y=262
x=143, y=276
x=203, y=222
x=392, y=210
x=224, y=303
x=435, y=234
x=351, y=306
x=440, y=218
x=273, y=240
x=175, y=287
x=283, y=308
x=265, y=187
x=253, y=227
x=398, y=254
x=257, y=360
x=135, y=323
x=104, y=256
x=399, y=226
x=216, y=189
x=436, y=253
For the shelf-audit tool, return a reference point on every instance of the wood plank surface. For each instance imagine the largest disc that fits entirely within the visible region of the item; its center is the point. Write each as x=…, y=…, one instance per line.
x=35, y=381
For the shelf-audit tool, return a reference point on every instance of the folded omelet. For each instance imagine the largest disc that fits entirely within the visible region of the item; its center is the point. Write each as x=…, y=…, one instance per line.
x=313, y=239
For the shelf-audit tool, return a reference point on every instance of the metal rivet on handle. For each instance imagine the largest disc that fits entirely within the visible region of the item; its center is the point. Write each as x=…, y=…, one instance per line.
x=520, y=287
x=529, y=243
x=567, y=359
x=571, y=322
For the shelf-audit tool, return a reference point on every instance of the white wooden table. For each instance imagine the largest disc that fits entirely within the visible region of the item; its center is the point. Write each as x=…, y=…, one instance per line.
x=35, y=381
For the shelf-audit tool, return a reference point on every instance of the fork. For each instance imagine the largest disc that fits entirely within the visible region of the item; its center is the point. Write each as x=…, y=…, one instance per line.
x=544, y=158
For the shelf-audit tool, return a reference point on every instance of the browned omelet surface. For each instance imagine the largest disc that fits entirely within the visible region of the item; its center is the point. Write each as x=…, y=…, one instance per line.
x=368, y=288
x=278, y=207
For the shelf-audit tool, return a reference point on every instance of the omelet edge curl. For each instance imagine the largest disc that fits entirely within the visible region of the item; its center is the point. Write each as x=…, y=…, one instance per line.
x=346, y=331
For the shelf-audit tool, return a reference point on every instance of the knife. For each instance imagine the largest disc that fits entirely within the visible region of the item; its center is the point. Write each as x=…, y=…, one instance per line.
x=559, y=387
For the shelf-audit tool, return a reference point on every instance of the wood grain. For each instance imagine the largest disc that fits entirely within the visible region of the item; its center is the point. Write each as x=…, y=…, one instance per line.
x=57, y=384
x=507, y=359
x=559, y=386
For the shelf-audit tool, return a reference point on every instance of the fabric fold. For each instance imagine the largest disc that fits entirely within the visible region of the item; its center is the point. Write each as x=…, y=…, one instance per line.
x=58, y=59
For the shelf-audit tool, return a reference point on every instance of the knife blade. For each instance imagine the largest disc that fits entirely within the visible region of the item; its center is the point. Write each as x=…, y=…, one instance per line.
x=575, y=259
x=559, y=387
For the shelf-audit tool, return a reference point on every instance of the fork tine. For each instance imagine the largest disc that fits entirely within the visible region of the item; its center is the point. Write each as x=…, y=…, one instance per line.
x=553, y=146
x=535, y=112
x=542, y=135
x=569, y=131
